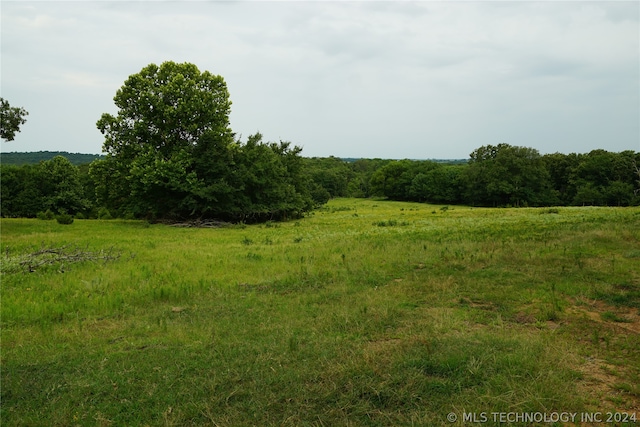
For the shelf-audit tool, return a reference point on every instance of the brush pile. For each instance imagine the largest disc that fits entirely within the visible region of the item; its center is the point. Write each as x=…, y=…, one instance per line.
x=60, y=256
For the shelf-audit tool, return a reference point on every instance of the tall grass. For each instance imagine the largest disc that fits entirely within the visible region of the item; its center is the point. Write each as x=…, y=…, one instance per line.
x=330, y=320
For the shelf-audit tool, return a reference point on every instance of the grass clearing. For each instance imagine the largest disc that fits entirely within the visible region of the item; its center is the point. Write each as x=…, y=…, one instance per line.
x=364, y=313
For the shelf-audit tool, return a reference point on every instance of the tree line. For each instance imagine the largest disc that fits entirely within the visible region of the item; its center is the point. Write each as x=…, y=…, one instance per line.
x=170, y=154
x=257, y=181
x=494, y=175
x=15, y=158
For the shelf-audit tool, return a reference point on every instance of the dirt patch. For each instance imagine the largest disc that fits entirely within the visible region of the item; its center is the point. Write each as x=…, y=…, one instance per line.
x=603, y=381
x=600, y=382
x=624, y=318
x=524, y=318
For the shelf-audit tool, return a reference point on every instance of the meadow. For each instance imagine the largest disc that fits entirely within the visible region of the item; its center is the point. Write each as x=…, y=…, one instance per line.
x=364, y=313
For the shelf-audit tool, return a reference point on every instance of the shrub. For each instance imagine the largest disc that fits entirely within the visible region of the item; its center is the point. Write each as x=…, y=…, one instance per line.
x=65, y=219
x=46, y=215
x=550, y=211
x=390, y=223
x=103, y=213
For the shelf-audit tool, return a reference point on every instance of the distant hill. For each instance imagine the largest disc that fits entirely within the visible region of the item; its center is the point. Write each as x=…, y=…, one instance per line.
x=15, y=158
x=446, y=161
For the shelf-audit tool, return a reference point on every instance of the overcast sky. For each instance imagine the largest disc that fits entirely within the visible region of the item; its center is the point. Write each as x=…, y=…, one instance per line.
x=418, y=80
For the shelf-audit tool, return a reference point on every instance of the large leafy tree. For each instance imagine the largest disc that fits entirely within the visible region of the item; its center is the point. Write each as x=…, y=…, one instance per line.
x=164, y=113
x=11, y=118
x=165, y=109
x=171, y=153
x=507, y=175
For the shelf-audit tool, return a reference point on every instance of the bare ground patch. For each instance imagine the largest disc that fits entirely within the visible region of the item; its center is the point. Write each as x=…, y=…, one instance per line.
x=609, y=385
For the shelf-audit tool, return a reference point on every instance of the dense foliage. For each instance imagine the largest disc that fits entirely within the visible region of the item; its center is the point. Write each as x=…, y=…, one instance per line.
x=257, y=181
x=171, y=154
x=53, y=185
x=506, y=175
x=11, y=118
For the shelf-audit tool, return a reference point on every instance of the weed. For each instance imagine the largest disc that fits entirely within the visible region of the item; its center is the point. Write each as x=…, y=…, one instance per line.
x=254, y=256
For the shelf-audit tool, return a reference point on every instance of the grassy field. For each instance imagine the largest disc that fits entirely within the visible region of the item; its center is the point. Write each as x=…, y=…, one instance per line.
x=367, y=312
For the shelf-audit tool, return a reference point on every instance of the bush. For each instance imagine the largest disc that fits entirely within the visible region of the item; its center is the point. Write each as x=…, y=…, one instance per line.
x=64, y=219
x=390, y=223
x=550, y=211
x=46, y=215
x=103, y=213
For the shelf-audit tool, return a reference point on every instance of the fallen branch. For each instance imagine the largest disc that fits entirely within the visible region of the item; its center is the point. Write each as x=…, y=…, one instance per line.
x=200, y=224
x=62, y=255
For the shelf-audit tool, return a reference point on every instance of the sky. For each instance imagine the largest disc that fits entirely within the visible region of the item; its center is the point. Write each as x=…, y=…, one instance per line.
x=374, y=79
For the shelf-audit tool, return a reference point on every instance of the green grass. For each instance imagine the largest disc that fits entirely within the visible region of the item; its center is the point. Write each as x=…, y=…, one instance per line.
x=366, y=312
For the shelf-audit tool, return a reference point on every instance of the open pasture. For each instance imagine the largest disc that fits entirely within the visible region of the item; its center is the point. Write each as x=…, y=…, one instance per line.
x=366, y=312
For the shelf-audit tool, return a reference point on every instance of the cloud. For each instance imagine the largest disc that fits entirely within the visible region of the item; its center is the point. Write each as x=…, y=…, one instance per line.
x=370, y=79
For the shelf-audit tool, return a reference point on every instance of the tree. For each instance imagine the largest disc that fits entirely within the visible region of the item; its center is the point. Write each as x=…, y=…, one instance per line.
x=11, y=120
x=330, y=175
x=164, y=114
x=274, y=186
x=507, y=175
x=604, y=178
x=61, y=188
x=393, y=180
x=560, y=167
x=439, y=185
x=51, y=184
x=636, y=177
x=619, y=193
x=171, y=154
x=20, y=191
x=364, y=169
x=166, y=108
